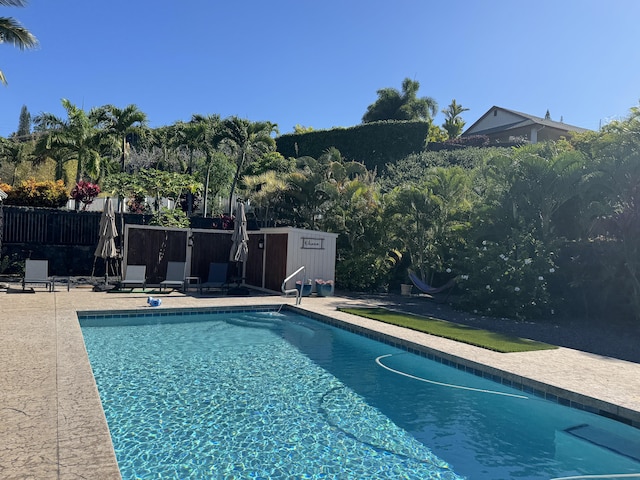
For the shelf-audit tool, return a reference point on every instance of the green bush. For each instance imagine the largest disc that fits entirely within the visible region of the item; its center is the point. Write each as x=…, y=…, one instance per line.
x=504, y=280
x=170, y=218
x=374, y=144
x=362, y=272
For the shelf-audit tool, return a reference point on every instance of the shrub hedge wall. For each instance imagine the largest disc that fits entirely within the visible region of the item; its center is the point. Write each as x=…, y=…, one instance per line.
x=374, y=144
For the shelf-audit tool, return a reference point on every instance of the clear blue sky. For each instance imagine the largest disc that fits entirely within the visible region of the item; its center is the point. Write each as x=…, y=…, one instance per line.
x=320, y=63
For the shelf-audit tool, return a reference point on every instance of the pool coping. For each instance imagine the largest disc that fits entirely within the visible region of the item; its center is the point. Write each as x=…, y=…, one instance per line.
x=52, y=421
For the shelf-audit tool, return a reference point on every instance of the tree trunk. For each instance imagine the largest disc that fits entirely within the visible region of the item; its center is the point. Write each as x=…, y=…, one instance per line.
x=206, y=190
x=124, y=147
x=235, y=181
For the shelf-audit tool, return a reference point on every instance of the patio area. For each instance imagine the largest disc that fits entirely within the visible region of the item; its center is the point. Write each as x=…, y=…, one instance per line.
x=51, y=418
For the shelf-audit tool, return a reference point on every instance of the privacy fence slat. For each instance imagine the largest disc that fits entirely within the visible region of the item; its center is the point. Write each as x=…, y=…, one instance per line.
x=51, y=227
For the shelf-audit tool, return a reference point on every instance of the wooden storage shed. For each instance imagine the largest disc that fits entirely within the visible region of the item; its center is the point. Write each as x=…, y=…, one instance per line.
x=274, y=253
x=287, y=249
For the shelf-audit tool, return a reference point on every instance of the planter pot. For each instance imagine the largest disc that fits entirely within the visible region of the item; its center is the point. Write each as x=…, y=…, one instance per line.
x=306, y=289
x=324, y=289
x=405, y=289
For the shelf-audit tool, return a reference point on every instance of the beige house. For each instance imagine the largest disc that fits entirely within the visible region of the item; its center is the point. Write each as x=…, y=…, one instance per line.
x=508, y=126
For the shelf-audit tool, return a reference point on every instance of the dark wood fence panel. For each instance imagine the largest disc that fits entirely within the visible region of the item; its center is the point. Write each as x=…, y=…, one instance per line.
x=72, y=228
x=24, y=226
x=154, y=248
x=50, y=226
x=209, y=248
x=58, y=227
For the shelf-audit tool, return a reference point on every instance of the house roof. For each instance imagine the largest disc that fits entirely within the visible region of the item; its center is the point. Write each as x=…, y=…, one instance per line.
x=3, y=195
x=525, y=120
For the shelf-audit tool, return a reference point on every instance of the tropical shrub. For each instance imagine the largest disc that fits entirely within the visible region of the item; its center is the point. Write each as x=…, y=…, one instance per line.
x=9, y=263
x=365, y=272
x=166, y=217
x=428, y=220
x=503, y=278
x=85, y=193
x=137, y=203
x=31, y=193
x=223, y=222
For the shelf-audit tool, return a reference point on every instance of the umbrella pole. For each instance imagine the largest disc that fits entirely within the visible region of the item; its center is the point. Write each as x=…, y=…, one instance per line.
x=93, y=269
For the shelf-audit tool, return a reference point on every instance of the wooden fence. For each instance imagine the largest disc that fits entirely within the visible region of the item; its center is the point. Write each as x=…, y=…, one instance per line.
x=66, y=238
x=48, y=226
x=56, y=227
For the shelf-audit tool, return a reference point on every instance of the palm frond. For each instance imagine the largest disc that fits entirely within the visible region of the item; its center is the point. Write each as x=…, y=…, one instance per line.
x=13, y=3
x=11, y=31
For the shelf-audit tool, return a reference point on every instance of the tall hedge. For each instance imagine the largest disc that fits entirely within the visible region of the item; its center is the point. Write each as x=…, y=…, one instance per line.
x=374, y=144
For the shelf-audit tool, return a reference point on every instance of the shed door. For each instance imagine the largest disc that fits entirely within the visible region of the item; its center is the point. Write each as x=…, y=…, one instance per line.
x=276, y=264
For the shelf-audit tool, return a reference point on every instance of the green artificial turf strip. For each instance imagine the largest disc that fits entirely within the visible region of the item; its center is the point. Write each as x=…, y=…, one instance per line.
x=453, y=331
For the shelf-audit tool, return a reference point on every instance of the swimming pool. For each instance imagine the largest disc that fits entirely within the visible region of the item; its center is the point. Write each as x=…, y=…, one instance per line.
x=262, y=394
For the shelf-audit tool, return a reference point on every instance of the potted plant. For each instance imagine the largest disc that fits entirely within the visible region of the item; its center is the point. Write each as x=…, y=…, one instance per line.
x=405, y=289
x=305, y=290
x=324, y=288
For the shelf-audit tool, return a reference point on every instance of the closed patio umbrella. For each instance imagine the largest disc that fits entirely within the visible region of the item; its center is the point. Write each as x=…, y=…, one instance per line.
x=240, y=237
x=239, y=247
x=106, y=248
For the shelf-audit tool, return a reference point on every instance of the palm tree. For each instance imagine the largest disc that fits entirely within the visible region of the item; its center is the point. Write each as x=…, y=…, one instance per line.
x=247, y=141
x=316, y=183
x=218, y=165
x=121, y=124
x=394, y=105
x=265, y=192
x=201, y=135
x=429, y=218
x=76, y=138
x=11, y=31
x=163, y=139
x=453, y=124
x=16, y=153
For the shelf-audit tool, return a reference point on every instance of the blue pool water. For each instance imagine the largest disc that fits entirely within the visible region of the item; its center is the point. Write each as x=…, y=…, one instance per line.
x=267, y=395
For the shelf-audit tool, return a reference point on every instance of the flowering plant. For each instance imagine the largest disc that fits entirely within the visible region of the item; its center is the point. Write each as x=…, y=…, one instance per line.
x=224, y=222
x=508, y=279
x=85, y=192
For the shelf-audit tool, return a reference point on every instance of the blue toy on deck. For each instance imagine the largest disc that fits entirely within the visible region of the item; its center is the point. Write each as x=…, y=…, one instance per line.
x=154, y=302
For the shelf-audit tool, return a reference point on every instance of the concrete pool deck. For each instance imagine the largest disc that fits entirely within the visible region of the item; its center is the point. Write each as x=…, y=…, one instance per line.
x=51, y=421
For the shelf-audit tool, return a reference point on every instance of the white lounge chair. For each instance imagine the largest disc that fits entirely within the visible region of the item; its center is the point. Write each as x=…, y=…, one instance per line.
x=134, y=275
x=37, y=272
x=175, y=276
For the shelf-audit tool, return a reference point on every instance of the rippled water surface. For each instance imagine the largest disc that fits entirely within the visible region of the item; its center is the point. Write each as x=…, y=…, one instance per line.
x=266, y=395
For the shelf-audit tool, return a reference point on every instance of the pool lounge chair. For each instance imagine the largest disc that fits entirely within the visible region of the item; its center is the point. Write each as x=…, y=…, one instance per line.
x=428, y=289
x=217, y=277
x=175, y=276
x=37, y=272
x=134, y=275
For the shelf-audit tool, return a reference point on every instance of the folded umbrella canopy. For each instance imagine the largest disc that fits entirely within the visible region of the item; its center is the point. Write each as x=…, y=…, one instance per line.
x=106, y=248
x=239, y=248
x=240, y=238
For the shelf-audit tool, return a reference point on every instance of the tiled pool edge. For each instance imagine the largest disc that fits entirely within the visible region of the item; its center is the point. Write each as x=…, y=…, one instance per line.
x=166, y=312
x=530, y=386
